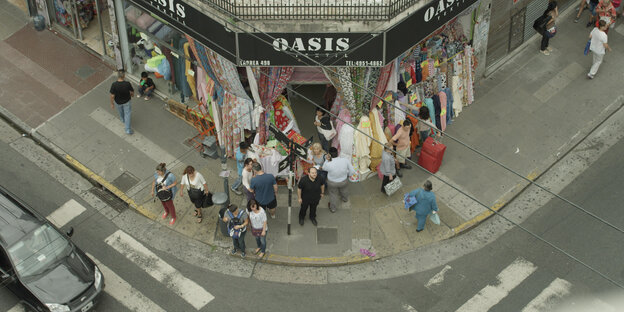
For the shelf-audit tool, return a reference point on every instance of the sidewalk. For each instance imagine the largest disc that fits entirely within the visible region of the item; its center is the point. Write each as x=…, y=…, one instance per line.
x=526, y=115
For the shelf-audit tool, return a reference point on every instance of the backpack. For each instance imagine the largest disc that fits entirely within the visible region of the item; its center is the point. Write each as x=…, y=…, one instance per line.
x=162, y=194
x=235, y=233
x=540, y=23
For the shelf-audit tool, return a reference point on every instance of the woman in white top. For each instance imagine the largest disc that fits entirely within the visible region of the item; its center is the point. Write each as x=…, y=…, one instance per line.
x=258, y=220
x=197, y=189
x=247, y=175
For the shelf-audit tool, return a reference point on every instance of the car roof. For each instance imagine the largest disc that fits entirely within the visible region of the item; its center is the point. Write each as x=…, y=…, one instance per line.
x=15, y=219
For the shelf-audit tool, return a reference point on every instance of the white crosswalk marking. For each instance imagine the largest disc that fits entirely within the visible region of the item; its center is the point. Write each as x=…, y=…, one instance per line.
x=66, y=213
x=124, y=293
x=159, y=269
x=508, y=279
x=438, y=278
x=408, y=308
x=545, y=300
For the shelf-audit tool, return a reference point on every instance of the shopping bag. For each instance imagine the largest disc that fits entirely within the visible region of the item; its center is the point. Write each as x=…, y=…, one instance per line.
x=409, y=201
x=435, y=218
x=393, y=186
x=587, y=47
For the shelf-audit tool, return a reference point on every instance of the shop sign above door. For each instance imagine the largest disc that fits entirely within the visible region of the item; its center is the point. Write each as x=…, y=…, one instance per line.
x=306, y=49
x=196, y=24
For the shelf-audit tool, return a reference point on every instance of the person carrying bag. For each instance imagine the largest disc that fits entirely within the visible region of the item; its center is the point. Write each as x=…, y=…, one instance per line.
x=198, y=191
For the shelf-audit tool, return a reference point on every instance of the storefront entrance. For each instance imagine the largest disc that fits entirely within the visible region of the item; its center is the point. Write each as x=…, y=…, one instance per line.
x=85, y=20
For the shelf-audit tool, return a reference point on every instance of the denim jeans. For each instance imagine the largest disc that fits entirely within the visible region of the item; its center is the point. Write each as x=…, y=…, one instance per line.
x=261, y=242
x=422, y=220
x=124, y=114
x=423, y=136
x=146, y=93
x=239, y=243
x=237, y=183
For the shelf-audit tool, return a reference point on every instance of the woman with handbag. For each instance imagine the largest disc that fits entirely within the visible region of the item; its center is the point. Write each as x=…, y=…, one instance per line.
x=165, y=187
x=258, y=220
x=197, y=191
x=387, y=167
x=550, y=29
x=318, y=156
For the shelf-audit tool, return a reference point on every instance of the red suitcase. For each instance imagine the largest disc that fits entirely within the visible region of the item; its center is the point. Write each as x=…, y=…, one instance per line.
x=431, y=155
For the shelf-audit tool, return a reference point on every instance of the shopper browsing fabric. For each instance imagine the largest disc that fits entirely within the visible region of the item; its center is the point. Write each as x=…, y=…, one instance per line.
x=598, y=47
x=402, y=141
x=146, y=86
x=165, y=183
x=247, y=175
x=338, y=171
x=264, y=188
x=259, y=228
x=198, y=189
x=387, y=167
x=236, y=220
x=241, y=155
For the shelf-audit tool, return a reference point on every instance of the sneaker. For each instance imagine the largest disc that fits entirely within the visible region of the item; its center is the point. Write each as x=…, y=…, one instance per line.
x=138, y=95
x=237, y=192
x=300, y=221
x=233, y=252
x=146, y=98
x=545, y=52
x=243, y=254
x=314, y=221
x=588, y=24
x=273, y=215
x=549, y=49
x=589, y=76
x=172, y=221
x=164, y=215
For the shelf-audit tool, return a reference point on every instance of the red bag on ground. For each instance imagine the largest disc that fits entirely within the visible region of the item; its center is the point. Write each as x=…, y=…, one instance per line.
x=431, y=155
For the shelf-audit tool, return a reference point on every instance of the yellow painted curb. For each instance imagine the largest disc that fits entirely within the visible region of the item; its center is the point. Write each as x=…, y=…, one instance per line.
x=113, y=189
x=314, y=261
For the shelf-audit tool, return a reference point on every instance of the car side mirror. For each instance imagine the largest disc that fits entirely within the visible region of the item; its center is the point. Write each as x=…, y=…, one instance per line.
x=70, y=232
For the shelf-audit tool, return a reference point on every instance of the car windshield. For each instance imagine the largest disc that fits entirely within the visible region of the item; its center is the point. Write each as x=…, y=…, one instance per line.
x=38, y=250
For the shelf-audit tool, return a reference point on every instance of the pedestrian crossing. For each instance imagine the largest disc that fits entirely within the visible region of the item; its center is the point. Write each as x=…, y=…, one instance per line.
x=121, y=290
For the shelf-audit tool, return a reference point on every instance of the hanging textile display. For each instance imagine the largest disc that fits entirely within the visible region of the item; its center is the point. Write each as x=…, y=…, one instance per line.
x=382, y=84
x=343, y=117
x=376, y=147
x=362, y=144
x=271, y=83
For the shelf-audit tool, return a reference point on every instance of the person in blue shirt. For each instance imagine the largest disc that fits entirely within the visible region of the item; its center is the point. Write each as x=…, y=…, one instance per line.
x=426, y=204
x=264, y=187
x=241, y=154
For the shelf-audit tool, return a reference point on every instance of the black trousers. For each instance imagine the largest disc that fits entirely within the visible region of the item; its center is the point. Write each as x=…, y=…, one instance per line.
x=304, y=208
x=545, y=39
x=386, y=180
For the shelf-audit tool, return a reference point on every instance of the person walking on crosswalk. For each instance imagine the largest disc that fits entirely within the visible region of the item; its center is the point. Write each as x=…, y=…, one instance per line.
x=426, y=204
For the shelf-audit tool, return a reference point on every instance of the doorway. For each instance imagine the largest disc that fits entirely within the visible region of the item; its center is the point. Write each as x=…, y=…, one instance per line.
x=87, y=21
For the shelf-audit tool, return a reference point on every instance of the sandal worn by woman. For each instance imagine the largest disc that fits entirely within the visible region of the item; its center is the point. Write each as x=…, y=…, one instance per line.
x=256, y=251
x=261, y=255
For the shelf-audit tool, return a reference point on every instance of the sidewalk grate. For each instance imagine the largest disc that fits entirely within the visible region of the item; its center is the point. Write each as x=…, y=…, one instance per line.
x=109, y=198
x=85, y=72
x=125, y=181
x=326, y=235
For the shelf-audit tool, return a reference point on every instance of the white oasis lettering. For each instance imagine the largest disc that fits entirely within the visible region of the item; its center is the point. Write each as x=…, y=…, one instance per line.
x=441, y=8
x=171, y=7
x=312, y=45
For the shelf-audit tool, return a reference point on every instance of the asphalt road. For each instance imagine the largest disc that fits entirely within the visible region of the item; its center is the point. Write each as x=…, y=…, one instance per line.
x=532, y=267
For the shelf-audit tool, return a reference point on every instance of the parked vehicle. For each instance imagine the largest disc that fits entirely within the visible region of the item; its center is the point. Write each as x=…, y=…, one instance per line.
x=41, y=265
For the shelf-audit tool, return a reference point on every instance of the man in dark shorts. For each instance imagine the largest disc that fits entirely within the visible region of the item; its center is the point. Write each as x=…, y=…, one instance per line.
x=264, y=188
x=121, y=92
x=310, y=190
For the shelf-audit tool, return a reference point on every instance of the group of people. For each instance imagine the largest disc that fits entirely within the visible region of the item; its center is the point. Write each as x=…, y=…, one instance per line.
x=602, y=17
x=121, y=92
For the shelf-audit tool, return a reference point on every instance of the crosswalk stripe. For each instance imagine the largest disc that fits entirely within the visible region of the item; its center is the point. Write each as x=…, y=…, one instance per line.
x=66, y=213
x=125, y=294
x=159, y=269
x=438, y=278
x=17, y=308
x=544, y=301
x=408, y=308
x=508, y=279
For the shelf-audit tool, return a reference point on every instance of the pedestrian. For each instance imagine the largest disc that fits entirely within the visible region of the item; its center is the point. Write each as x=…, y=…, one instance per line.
x=551, y=29
x=424, y=129
x=165, y=181
x=259, y=228
x=597, y=46
x=241, y=155
x=606, y=12
x=121, y=92
x=425, y=204
x=387, y=166
x=236, y=220
x=338, y=171
x=310, y=190
x=324, y=128
x=318, y=156
x=402, y=141
x=592, y=12
x=197, y=189
x=146, y=86
x=590, y=4
x=264, y=187
x=247, y=175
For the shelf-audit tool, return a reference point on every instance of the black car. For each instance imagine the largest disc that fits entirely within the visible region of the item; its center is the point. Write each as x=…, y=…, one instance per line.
x=41, y=265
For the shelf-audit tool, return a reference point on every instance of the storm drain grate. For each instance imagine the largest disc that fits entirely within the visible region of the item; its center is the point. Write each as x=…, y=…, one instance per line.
x=109, y=198
x=326, y=235
x=125, y=181
x=85, y=71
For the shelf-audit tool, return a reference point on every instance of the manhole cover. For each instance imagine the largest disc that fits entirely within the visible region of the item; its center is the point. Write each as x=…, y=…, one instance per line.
x=109, y=198
x=85, y=71
x=125, y=181
x=326, y=235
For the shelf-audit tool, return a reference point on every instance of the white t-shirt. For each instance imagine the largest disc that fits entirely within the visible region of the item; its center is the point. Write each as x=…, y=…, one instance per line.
x=258, y=219
x=247, y=175
x=197, y=182
x=598, y=39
